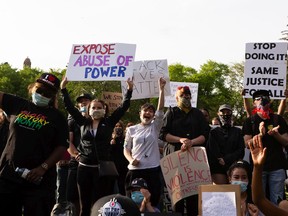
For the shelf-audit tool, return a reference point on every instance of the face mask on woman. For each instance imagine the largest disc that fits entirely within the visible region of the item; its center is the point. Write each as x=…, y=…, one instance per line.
x=97, y=114
x=137, y=197
x=242, y=184
x=40, y=100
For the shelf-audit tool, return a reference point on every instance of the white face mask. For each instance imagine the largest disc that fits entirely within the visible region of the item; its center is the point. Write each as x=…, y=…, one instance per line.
x=97, y=114
x=40, y=100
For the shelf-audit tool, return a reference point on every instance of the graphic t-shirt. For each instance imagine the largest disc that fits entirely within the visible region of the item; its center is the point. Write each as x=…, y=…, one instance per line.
x=34, y=133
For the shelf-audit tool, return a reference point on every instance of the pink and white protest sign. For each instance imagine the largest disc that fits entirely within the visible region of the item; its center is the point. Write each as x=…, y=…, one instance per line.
x=96, y=62
x=184, y=171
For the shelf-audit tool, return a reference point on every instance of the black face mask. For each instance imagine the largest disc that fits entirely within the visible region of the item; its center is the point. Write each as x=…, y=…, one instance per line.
x=225, y=120
x=265, y=101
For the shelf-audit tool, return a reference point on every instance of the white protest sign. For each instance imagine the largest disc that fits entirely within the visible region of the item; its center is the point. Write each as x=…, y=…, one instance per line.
x=146, y=75
x=96, y=62
x=265, y=68
x=184, y=171
x=171, y=99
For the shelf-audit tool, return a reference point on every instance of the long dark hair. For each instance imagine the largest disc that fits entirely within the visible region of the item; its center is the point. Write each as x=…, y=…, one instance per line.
x=246, y=166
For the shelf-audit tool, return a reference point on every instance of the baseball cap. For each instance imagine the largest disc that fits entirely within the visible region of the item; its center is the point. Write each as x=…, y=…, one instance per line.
x=83, y=95
x=138, y=183
x=183, y=90
x=260, y=93
x=224, y=106
x=115, y=204
x=49, y=80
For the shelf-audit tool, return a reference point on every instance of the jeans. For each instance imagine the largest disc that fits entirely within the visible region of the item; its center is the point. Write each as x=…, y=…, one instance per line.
x=275, y=180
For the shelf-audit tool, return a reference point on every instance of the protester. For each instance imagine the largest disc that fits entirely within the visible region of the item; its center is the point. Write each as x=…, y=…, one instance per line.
x=4, y=129
x=96, y=132
x=141, y=147
x=225, y=145
x=215, y=121
x=141, y=195
x=184, y=127
x=259, y=155
x=37, y=139
x=281, y=107
x=273, y=128
x=83, y=101
x=117, y=143
x=240, y=173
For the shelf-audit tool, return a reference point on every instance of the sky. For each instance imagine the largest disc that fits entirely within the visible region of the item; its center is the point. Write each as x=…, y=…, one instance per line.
x=189, y=32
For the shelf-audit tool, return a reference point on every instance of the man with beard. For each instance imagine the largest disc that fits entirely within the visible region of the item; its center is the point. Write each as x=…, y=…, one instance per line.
x=184, y=126
x=225, y=146
x=272, y=128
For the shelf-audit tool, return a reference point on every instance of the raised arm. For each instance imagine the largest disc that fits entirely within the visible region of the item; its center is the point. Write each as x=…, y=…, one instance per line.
x=161, y=83
x=258, y=156
x=282, y=105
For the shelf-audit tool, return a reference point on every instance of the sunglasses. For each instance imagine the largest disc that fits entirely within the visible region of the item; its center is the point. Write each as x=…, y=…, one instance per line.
x=262, y=98
x=44, y=92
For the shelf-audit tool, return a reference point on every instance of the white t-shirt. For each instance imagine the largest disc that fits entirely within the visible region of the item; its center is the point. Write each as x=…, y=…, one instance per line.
x=142, y=141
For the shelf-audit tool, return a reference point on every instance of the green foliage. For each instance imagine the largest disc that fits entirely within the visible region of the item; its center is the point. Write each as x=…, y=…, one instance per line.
x=218, y=84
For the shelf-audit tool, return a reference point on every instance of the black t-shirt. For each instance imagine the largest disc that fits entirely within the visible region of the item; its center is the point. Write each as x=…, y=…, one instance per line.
x=275, y=155
x=34, y=133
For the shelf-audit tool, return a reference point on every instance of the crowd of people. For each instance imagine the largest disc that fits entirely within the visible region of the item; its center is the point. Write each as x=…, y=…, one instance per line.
x=47, y=159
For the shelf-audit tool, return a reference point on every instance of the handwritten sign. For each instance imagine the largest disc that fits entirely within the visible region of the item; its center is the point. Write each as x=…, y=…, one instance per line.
x=146, y=75
x=265, y=68
x=184, y=172
x=95, y=62
x=170, y=100
x=113, y=99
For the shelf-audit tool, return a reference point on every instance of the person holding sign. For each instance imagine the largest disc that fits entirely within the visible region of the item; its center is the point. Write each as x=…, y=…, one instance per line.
x=273, y=129
x=96, y=132
x=184, y=127
x=141, y=147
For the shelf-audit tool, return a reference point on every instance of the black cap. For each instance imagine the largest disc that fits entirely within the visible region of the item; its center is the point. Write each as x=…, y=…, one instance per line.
x=84, y=95
x=225, y=106
x=259, y=93
x=49, y=80
x=111, y=204
x=138, y=183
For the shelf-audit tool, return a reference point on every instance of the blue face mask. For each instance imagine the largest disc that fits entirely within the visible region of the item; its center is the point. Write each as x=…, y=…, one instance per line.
x=137, y=197
x=39, y=100
x=83, y=109
x=242, y=184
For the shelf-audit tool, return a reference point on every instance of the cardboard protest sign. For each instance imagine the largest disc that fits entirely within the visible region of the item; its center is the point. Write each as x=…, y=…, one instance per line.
x=95, y=62
x=265, y=68
x=113, y=99
x=219, y=200
x=184, y=171
x=170, y=100
x=146, y=75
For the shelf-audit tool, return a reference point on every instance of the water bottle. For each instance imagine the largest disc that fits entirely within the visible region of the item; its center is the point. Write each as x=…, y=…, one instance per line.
x=22, y=172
